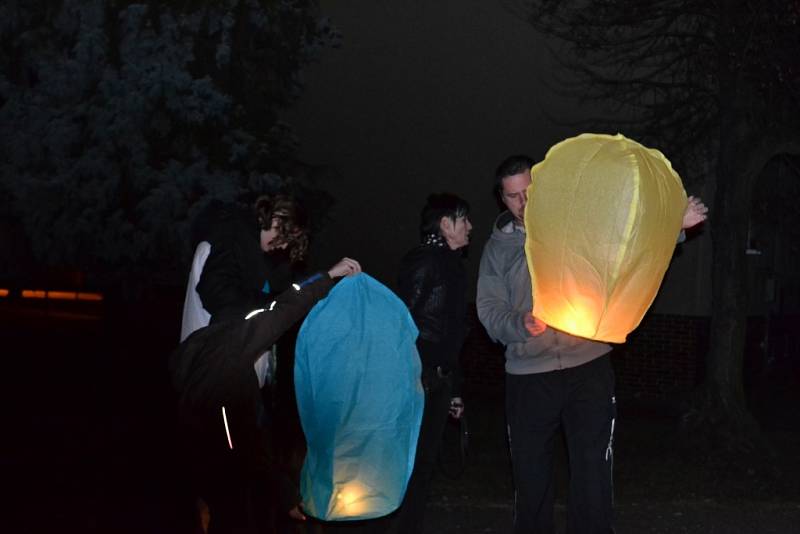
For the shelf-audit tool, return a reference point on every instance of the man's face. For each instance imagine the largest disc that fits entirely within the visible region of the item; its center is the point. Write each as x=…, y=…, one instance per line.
x=456, y=233
x=514, y=193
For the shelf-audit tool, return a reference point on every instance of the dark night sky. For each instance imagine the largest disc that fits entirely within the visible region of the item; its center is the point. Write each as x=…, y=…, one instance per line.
x=430, y=96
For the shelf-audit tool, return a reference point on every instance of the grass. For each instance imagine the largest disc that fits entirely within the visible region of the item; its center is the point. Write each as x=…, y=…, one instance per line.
x=661, y=485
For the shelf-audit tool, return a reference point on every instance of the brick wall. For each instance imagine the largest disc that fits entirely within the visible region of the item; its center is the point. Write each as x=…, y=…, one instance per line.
x=661, y=358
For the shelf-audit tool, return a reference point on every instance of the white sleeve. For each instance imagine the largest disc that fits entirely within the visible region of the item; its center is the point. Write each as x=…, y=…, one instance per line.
x=194, y=315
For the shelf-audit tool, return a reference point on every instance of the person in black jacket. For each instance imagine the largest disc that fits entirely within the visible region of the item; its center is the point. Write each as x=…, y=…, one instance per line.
x=432, y=283
x=218, y=402
x=244, y=257
x=252, y=255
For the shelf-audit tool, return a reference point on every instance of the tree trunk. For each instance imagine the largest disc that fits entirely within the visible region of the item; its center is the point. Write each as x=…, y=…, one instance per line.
x=724, y=410
x=723, y=415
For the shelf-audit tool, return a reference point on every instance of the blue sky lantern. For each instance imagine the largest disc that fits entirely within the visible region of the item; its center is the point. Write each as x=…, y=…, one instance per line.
x=360, y=399
x=602, y=219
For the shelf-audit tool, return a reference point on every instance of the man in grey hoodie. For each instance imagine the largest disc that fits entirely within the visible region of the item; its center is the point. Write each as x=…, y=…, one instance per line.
x=553, y=380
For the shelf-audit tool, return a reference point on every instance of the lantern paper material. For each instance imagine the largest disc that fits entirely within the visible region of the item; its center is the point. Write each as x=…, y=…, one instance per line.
x=602, y=219
x=360, y=399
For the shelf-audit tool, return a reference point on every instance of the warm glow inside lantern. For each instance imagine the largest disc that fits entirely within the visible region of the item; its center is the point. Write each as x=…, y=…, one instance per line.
x=602, y=219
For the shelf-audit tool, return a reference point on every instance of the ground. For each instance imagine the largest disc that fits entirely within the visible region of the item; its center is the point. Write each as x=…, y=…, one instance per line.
x=660, y=487
x=90, y=449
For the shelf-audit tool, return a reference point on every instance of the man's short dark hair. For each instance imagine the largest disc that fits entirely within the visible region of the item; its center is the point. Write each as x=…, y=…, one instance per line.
x=509, y=167
x=441, y=205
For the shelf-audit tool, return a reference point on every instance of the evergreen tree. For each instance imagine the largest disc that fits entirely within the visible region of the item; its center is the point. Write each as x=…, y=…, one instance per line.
x=120, y=121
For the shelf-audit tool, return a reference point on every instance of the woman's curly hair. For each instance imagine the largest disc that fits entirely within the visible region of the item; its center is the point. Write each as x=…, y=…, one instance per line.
x=292, y=221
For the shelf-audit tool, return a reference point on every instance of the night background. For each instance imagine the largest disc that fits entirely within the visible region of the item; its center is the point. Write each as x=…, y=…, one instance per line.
x=121, y=121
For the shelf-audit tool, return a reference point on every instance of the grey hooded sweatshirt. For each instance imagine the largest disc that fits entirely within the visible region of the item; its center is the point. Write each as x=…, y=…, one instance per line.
x=503, y=300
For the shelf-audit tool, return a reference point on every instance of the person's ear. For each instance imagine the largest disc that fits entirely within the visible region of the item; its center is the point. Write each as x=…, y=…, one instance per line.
x=445, y=226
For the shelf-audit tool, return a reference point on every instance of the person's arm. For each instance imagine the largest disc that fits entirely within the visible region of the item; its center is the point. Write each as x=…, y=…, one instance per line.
x=502, y=322
x=456, y=407
x=345, y=267
x=695, y=213
x=413, y=284
x=534, y=325
x=265, y=325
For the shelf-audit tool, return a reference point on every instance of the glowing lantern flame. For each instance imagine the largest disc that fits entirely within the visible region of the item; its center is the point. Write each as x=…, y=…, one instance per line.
x=350, y=501
x=602, y=219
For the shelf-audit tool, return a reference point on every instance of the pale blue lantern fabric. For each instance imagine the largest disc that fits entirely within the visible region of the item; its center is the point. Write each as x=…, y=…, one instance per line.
x=360, y=399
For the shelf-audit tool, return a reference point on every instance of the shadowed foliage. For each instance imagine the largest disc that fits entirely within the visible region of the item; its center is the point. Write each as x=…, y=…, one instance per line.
x=120, y=121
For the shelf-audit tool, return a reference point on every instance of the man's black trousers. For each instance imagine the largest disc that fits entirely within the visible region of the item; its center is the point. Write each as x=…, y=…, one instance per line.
x=580, y=401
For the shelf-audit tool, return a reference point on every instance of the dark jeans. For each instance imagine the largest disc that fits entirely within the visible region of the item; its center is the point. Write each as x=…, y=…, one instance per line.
x=239, y=485
x=239, y=504
x=579, y=400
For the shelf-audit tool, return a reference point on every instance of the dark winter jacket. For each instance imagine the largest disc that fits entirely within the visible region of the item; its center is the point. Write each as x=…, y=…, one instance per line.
x=237, y=269
x=432, y=283
x=213, y=368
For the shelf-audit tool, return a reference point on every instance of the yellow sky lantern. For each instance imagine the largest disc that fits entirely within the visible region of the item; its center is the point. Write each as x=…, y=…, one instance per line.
x=602, y=219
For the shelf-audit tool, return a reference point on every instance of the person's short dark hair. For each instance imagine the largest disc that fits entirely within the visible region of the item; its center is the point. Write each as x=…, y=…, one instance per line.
x=293, y=224
x=441, y=205
x=509, y=167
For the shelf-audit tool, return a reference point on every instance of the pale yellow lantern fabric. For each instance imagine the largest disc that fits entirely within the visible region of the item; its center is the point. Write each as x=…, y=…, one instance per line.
x=602, y=220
